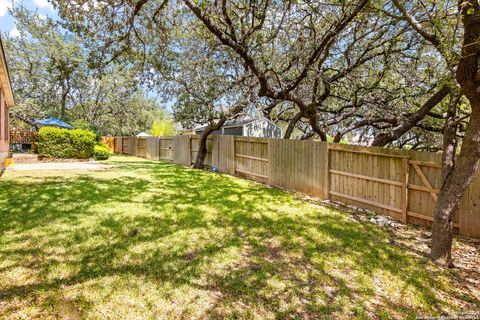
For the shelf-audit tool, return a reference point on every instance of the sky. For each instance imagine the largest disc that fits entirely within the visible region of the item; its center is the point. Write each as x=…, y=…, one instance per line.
x=7, y=23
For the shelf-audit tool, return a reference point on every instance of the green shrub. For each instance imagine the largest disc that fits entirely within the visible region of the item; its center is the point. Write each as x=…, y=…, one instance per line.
x=83, y=142
x=63, y=143
x=101, y=152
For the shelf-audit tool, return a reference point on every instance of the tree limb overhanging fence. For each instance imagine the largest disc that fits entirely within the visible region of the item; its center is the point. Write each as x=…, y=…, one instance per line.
x=400, y=184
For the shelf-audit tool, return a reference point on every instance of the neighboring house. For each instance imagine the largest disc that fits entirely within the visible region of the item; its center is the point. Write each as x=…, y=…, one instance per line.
x=260, y=128
x=143, y=134
x=6, y=102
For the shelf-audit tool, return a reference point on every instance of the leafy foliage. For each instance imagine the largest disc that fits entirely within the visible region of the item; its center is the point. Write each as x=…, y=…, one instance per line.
x=63, y=143
x=52, y=76
x=101, y=152
x=162, y=127
x=351, y=70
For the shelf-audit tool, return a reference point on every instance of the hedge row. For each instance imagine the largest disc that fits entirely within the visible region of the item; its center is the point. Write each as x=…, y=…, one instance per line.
x=62, y=143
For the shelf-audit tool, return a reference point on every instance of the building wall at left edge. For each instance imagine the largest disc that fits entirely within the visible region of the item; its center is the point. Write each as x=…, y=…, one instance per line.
x=6, y=103
x=4, y=127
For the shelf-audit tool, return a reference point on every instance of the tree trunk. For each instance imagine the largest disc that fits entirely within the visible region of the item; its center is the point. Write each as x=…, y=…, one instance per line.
x=450, y=136
x=313, y=120
x=291, y=125
x=457, y=181
x=452, y=190
x=202, y=142
x=448, y=165
x=63, y=105
x=385, y=138
x=337, y=137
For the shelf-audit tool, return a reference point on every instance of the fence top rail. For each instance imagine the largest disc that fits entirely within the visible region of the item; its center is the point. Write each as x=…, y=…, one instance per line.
x=197, y=137
x=251, y=139
x=337, y=147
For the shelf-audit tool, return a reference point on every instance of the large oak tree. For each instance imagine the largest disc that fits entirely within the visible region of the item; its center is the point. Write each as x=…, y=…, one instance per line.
x=459, y=45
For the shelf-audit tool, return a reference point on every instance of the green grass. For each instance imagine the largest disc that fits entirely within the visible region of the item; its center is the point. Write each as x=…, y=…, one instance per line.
x=149, y=240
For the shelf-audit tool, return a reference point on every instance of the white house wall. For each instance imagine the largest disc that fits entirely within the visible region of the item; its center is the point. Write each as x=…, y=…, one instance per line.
x=262, y=129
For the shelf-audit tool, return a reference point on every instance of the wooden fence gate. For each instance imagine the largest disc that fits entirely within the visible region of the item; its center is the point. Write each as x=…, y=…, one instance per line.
x=423, y=188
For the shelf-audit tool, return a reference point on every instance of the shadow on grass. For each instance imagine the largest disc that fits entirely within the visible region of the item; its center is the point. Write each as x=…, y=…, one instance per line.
x=260, y=249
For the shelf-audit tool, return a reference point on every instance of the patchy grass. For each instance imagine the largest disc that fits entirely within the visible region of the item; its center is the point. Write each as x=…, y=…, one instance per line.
x=156, y=240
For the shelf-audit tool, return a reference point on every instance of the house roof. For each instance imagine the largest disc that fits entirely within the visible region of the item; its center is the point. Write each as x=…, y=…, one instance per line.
x=53, y=122
x=235, y=123
x=5, y=77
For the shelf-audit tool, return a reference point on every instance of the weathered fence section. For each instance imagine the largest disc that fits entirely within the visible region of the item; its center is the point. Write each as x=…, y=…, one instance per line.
x=22, y=137
x=223, y=154
x=151, y=148
x=110, y=142
x=182, y=150
x=132, y=146
x=372, y=178
x=469, y=217
x=424, y=179
x=300, y=166
x=400, y=184
x=166, y=148
x=142, y=147
x=124, y=148
x=251, y=158
x=118, y=145
x=194, y=145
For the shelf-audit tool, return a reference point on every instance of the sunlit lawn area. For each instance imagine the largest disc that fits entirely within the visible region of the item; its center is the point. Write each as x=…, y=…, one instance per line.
x=147, y=240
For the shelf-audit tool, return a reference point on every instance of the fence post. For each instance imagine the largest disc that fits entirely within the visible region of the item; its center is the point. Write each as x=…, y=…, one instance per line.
x=326, y=188
x=132, y=146
x=136, y=146
x=189, y=151
x=215, y=151
x=119, y=144
x=405, y=171
x=234, y=157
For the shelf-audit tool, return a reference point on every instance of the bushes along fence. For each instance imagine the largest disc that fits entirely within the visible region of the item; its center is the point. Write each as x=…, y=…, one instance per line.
x=62, y=143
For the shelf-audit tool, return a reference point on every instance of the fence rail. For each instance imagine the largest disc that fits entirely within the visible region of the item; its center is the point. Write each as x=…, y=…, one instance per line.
x=402, y=185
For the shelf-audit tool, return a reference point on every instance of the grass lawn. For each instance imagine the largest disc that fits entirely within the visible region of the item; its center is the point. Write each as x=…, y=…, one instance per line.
x=148, y=240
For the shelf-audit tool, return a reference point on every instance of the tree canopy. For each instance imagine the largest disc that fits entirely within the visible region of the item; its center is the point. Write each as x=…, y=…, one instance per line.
x=345, y=69
x=52, y=76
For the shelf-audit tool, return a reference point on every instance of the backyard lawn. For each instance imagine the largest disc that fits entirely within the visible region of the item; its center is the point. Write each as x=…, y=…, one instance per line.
x=148, y=240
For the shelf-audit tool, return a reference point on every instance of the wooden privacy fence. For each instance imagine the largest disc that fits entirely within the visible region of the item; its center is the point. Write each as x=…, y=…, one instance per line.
x=23, y=137
x=402, y=185
x=110, y=142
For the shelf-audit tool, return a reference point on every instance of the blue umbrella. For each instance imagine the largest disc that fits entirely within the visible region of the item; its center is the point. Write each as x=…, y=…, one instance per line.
x=53, y=122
